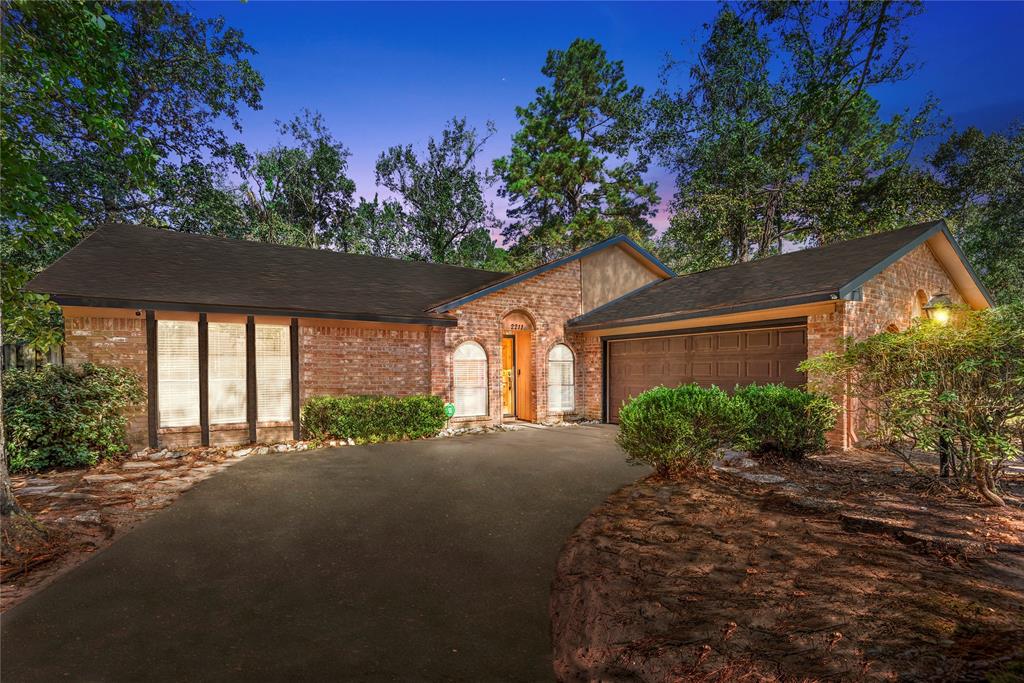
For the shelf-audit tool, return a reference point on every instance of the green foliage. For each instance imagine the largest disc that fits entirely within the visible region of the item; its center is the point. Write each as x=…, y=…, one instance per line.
x=442, y=194
x=575, y=172
x=112, y=112
x=370, y=419
x=962, y=384
x=982, y=180
x=680, y=429
x=777, y=137
x=66, y=417
x=299, y=194
x=789, y=421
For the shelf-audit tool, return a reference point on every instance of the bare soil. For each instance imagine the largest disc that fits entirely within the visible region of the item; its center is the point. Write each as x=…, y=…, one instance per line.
x=853, y=568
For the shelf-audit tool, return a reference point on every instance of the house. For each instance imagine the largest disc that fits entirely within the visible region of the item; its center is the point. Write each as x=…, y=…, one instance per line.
x=231, y=336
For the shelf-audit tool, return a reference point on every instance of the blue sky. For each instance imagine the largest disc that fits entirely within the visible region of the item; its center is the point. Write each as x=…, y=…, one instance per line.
x=393, y=73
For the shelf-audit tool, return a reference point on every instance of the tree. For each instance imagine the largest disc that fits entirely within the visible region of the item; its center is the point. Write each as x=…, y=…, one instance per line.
x=383, y=229
x=300, y=194
x=112, y=112
x=575, y=172
x=63, y=89
x=778, y=137
x=982, y=181
x=442, y=194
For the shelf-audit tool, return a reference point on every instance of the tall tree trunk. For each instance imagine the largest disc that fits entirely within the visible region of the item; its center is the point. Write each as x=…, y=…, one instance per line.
x=8, y=505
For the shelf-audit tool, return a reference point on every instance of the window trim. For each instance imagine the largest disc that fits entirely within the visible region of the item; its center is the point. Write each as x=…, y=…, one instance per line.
x=486, y=385
x=572, y=375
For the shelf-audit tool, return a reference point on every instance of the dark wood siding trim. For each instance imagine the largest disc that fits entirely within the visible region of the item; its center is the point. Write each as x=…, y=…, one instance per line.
x=152, y=403
x=204, y=380
x=250, y=375
x=294, y=346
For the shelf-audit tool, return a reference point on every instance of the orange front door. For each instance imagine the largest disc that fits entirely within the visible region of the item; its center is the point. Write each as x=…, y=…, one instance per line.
x=508, y=375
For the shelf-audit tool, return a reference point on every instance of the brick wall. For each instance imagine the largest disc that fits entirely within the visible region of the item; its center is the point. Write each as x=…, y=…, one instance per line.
x=339, y=358
x=549, y=299
x=115, y=338
x=893, y=298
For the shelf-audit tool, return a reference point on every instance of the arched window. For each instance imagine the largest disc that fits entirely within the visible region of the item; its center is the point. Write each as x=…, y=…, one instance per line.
x=561, y=380
x=470, y=363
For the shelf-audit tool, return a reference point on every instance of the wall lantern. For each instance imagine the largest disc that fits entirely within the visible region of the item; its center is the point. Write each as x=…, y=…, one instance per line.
x=938, y=308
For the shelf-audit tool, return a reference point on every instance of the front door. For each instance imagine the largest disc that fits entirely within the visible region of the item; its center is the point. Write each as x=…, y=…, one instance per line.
x=508, y=376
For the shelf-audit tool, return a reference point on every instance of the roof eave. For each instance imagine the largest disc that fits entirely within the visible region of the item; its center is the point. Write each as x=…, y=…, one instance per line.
x=99, y=302
x=816, y=297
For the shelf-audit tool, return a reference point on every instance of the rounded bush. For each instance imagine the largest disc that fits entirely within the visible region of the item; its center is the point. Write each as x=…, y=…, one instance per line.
x=370, y=419
x=789, y=421
x=57, y=416
x=680, y=428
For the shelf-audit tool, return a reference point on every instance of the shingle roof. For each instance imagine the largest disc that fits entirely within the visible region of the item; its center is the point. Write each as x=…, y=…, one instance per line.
x=146, y=267
x=797, y=277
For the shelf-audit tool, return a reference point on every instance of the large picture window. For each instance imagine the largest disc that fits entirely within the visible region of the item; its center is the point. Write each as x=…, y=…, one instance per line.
x=470, y=368
x=178, y=372
x=227, y=373
x=273, y=374
x=561, y=380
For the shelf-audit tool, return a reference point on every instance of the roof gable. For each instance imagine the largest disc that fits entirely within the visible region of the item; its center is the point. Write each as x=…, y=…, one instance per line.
x=617, y=240
x=829, y=272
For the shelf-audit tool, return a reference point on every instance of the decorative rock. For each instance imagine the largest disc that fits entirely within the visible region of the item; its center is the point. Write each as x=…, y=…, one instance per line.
x=750, y=476
x=262, y=450
x=140, y=465
x=350, y=442
x=858, y=522
x=177, y=454
x=241, y=452
x=101, y=478
x=281, y=448
x=761, y=478
x=35, y=490
x=90, y=517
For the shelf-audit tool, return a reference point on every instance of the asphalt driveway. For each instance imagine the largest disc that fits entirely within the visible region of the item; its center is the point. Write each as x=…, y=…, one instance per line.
x=427, y=560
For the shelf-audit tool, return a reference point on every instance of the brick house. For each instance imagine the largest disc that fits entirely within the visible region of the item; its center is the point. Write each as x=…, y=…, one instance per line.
x=230, y=337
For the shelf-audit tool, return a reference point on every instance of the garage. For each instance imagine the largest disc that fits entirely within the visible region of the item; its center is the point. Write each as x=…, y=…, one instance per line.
x=724, y=358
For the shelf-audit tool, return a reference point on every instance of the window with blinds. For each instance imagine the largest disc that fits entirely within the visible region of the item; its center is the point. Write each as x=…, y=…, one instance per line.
x=470, y=368
x=273, y=374
x=227, y=390
x=178, y=372
x=561, y=380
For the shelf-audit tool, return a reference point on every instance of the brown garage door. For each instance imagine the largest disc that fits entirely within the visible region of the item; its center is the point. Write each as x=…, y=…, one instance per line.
x=721, y=358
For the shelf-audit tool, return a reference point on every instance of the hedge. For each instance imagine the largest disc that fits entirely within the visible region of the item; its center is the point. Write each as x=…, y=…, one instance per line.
x=370, y=419
x=681, y=428
x=786, y=420
x=57, y=416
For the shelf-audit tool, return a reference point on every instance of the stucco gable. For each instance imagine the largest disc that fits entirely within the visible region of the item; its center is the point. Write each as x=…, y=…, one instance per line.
x=620, y=242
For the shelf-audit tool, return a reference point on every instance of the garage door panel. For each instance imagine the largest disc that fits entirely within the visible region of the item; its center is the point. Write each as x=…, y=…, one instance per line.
x=725, y=359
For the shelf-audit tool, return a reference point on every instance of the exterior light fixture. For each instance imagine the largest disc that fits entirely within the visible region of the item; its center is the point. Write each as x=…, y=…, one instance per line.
x=938, y=308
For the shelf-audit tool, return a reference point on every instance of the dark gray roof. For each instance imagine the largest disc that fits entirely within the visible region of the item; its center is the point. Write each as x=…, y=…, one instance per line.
x=829, y=272
x=140, y=267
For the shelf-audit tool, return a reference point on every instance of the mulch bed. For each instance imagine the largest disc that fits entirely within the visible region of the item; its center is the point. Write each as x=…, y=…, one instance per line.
x=852, y=568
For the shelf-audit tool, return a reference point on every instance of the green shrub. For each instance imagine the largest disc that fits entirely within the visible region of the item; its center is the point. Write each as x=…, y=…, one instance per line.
x=67, y=417
x=373, y=418
x=790, y=421
x=681, y=428
x=959, y=385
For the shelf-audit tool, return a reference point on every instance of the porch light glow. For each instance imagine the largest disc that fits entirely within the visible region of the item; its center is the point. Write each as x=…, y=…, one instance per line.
x=938, y=308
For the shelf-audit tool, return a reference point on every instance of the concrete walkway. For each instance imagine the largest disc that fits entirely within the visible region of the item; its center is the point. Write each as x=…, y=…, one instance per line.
x=428, y=560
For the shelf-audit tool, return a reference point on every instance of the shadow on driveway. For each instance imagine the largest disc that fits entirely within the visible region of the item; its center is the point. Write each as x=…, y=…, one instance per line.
x=420, y=560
